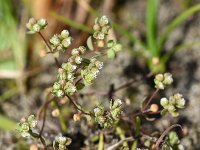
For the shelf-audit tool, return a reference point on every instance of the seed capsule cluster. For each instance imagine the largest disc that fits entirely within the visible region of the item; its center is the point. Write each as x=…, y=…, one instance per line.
x=67, y=73
x=107, y=119
x=163, y=80
x=35, y=26
x=173, y=103
x=62, y=142
x=60, y=42
x=90, y=72
x=27, y=125
x=101, y=28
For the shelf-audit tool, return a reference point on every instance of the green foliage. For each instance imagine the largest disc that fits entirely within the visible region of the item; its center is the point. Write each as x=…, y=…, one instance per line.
x=155, y=42
x=151, y=22
x=172, y=142
x=113, y=48
x=80, y=71
x=7, y=124
x=11, y=39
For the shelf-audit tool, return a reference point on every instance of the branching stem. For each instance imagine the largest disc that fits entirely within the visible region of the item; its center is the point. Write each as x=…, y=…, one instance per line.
x=50, y=49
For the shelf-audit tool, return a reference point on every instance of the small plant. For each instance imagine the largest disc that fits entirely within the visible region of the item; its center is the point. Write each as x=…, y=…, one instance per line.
x=80, y=71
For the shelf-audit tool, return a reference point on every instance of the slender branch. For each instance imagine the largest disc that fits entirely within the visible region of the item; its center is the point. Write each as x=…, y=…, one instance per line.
x=44, y=110
x=164, y=133
x=78, y=107
x=116, y=145
x=50, y=49
x=78, y=81
x=125, y=85
x=150, y=99
x=36, y=135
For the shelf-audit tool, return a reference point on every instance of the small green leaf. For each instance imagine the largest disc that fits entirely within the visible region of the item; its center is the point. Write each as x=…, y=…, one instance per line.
x=163, y=112
x=137, y=128
x=110, y=43
x=111, y=53
x=80, y=86
x=118, y=47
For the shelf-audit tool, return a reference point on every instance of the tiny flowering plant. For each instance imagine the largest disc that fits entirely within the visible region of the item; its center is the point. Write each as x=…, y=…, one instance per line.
x=79, y=71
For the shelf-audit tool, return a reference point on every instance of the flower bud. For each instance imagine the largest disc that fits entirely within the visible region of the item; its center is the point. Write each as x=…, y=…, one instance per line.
x=55, y=112
x=42, y=23
x=82, y=49
x=36, y=28
x=70, y=88
x=154, y=108
x=32, y=121
x=60, y=93
x=76, y=117
x=61, y=70
x=56, y=86
x=61, y=140
x=78, y=60
x=164, y=102
x=98, y=111
x=32, y=21
x=103, y=21
x=100, y=36
x=100, y=43
x=99, y=64
x=25, y=127
x=168, y=79
x=171, y=108
x=64, y=34
x=29, y=26
x=66, y=42
x=70, y=76
x=96, y=27
x=159, y=77
x=101, y=120
x=55, y=40
x=75, y=51
x=160, y=85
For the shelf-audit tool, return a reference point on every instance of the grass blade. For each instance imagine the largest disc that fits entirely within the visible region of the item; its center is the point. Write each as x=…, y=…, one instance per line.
x=127, y=34
x=174, y=23
x=72, y=23
x=6, y=123
x=151, y=24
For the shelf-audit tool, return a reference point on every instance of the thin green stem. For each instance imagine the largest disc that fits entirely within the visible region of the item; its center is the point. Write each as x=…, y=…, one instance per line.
x=36, y=135
x=50, y=49
x=78, y=107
